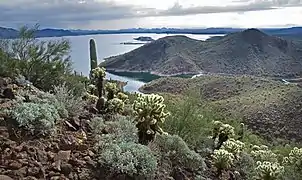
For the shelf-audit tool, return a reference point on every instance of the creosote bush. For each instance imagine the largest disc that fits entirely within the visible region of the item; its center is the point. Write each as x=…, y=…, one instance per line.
x=39, y=119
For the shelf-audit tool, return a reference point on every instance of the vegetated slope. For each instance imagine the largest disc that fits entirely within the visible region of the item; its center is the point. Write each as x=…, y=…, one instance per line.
x=248, y=52
x=268, y=107
x=169, y=55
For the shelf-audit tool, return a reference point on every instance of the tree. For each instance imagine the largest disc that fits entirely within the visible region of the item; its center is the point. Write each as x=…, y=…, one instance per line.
x=44, y=63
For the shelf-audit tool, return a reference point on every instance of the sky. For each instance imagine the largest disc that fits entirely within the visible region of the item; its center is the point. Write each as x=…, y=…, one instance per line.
x=121, y=14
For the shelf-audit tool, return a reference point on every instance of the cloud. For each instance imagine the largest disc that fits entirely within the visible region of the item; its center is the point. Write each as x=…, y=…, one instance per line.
x=240, y=7
x=81, y=13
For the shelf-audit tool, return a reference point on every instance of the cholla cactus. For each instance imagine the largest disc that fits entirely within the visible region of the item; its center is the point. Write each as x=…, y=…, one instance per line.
x=122, y=97
x=223, y=132
x=99, y=72
x=91, y=98
x=115, y=105
x=294, y=159
x=268, y=170
x=233, y=146
x=149, y=111
x=111, y=89
x=222, y=160
x=97, y=76
x=262, y=153
x=91, y=89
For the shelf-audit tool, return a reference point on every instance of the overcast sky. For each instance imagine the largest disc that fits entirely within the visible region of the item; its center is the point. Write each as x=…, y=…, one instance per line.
x=118, y=14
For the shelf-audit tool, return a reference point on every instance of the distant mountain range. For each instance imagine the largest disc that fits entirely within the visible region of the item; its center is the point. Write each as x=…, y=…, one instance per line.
x=250, y=52
x=286, y=32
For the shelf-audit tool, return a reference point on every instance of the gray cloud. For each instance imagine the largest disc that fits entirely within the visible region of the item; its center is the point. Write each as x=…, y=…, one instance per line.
x=68, y=13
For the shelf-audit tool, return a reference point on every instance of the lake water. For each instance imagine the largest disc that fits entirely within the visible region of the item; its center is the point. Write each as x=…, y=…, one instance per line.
x=109, y=45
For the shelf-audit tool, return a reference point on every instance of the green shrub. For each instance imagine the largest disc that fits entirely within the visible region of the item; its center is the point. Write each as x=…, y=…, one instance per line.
x=174, y=148
x=36, y=118
x=129, y=158
x=293, y=164
x=189, y=120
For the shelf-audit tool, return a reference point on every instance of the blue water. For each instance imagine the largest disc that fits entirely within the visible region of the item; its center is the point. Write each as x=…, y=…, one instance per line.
x=109, y=45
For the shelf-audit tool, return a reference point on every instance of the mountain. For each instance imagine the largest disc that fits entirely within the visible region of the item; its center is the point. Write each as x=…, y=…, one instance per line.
x=291, y=33
x=247, y=52
x=12, y=33
x=8, y=32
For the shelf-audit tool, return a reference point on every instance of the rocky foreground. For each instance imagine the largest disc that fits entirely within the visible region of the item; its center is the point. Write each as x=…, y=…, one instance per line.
x=68, y=155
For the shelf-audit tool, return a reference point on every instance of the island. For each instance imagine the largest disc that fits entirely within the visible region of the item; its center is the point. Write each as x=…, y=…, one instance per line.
x=144, y=38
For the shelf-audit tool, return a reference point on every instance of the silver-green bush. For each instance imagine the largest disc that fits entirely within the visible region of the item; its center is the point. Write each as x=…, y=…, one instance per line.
x=129, y=158
x=174, y=148
x=36, y=118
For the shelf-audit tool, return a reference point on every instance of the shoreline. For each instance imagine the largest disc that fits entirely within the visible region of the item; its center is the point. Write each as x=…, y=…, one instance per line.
x=154, y=72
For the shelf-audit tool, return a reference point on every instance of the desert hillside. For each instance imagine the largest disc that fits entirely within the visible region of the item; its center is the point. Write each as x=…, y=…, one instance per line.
x=268, y=107
x=248, y=52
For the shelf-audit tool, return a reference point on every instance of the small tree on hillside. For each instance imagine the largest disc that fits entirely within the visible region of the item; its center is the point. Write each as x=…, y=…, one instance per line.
x=44, y=63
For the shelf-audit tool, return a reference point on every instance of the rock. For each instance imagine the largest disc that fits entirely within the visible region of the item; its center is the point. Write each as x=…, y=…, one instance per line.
x=77, y=162
x=23, y=171
x=4, y=131
x=8, y=93
x=66, y=168
x=4, y=177
x=42, y=156
x=89, y=161
x=33, y=171
x=15, y=165
x=63, y=156
x=30, y=178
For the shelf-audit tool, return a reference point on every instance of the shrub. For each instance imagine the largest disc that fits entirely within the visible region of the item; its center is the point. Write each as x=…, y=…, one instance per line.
x=119, y=131
x=47, y=98
x=174, y=148
x=129, y=158
x=36, y=118
x=73, y=104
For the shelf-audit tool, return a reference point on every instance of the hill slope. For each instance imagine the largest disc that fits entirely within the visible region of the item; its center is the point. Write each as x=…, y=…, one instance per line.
x=268, y=107
x=248, y=52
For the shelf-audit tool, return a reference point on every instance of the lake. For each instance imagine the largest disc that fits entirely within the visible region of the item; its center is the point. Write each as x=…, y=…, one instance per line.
x=109, y=45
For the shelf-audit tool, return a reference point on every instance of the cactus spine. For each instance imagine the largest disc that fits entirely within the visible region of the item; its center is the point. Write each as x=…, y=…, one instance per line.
x=93, y=54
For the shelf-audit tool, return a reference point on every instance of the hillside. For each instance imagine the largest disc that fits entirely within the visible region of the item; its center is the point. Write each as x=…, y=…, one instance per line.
x=268, y=107
x=248, y=52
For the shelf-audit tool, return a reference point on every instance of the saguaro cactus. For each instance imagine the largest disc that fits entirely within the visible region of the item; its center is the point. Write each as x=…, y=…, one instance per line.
x=93, y=54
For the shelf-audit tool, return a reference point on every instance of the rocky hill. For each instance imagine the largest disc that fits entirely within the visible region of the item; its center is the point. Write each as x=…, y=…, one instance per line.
x=271, y=108
x=248, y=52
